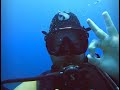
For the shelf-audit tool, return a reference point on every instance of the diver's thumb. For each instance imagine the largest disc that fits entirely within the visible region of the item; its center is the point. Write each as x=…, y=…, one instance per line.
x=93, y=60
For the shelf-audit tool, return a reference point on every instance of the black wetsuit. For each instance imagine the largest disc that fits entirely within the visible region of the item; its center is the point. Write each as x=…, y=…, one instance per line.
x=89, y=78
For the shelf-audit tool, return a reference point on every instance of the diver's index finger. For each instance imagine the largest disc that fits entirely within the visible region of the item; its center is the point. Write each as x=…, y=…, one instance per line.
x=99, y=33
x=109, y=24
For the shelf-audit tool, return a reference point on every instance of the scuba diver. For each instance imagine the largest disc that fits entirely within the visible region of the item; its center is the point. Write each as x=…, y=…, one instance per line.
x=67, y=43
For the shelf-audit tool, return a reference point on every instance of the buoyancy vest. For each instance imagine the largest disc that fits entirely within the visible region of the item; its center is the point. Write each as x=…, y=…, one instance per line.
x=89, y=78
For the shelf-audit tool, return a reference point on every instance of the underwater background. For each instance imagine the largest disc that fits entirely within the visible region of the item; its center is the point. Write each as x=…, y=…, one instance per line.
x=23, y=49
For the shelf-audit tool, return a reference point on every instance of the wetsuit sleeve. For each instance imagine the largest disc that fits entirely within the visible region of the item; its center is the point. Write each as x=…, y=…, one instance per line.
x=31, y=85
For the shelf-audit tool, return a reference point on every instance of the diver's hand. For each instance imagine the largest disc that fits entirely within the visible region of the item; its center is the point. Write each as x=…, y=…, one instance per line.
x=109, y=43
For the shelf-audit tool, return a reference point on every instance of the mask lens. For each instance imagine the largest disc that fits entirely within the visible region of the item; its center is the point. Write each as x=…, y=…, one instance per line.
x=55, y=41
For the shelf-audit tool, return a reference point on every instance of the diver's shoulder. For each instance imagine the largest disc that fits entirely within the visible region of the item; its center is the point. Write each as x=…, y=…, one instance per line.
x=30, y=85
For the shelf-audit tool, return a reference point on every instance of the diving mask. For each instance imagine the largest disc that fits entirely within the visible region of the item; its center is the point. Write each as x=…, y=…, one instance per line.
x=67, y=41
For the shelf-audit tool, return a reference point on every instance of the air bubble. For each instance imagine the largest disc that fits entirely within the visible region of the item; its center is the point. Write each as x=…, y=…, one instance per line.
x=88, y=4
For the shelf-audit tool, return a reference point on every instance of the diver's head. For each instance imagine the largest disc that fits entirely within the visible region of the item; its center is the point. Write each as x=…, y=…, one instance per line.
x=66, y=37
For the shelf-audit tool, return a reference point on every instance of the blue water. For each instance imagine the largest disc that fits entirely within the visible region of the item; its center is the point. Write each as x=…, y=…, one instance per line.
x=23, y=49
